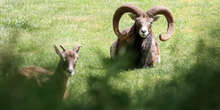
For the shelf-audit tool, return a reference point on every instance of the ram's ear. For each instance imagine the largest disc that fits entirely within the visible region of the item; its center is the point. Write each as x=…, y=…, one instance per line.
x=155, y=18
x=132, y=16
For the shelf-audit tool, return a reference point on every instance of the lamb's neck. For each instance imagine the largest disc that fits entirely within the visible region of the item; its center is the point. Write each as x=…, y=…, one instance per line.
x=61, y=78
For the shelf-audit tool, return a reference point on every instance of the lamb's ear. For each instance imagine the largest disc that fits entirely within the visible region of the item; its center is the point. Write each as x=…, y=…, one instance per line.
x=58, y=51
x=77, y=49
x=61, y=46
x=155, y=18
x=132, y=16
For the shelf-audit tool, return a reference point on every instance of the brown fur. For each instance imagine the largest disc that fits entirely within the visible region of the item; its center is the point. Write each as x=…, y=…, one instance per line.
x=42, y=76
x=52, y=86
x=147, y=49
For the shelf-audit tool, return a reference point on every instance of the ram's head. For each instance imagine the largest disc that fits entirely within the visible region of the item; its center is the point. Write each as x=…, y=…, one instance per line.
x=143, y=20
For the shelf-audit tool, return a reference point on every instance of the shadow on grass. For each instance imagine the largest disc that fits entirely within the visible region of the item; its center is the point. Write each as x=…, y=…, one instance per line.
x=9, y=65
x=106, y=97
x=18, y=92
x=196, y=88
x=103, y=94
x=193, y=89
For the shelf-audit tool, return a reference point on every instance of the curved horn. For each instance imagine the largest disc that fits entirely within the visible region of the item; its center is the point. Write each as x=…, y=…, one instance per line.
x=170, y=19
x=120, y=11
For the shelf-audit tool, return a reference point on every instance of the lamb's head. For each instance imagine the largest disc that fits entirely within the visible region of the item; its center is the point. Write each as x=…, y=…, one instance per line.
x=69, y=57
x=144, y=20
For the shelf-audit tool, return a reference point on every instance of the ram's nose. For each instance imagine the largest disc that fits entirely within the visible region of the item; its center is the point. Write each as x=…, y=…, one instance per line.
x=143, y=31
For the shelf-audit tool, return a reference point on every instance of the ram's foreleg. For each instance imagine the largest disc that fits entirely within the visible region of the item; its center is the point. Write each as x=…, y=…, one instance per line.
x=113, y=49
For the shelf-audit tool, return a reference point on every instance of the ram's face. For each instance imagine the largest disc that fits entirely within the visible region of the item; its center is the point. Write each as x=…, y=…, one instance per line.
x=143, y=24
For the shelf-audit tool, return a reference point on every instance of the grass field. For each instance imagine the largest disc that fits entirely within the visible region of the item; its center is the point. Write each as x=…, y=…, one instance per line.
x=186, y=78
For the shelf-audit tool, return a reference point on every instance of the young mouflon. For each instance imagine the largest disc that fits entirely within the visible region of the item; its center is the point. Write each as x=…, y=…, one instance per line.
x=45, y=86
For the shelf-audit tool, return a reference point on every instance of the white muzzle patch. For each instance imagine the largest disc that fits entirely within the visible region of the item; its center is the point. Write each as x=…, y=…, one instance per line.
x=72, y=73
x=71, y=70
x=143, y=32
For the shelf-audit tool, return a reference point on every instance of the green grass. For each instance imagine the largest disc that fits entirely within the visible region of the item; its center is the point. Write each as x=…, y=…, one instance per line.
x=38, y=24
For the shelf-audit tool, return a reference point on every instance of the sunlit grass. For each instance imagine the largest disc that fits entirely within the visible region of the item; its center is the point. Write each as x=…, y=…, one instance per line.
x=42, y=23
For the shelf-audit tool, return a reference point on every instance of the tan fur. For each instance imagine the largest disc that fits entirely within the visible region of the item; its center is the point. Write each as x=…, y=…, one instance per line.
x=37, y=73
x=34, y=80
x=43, y=76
